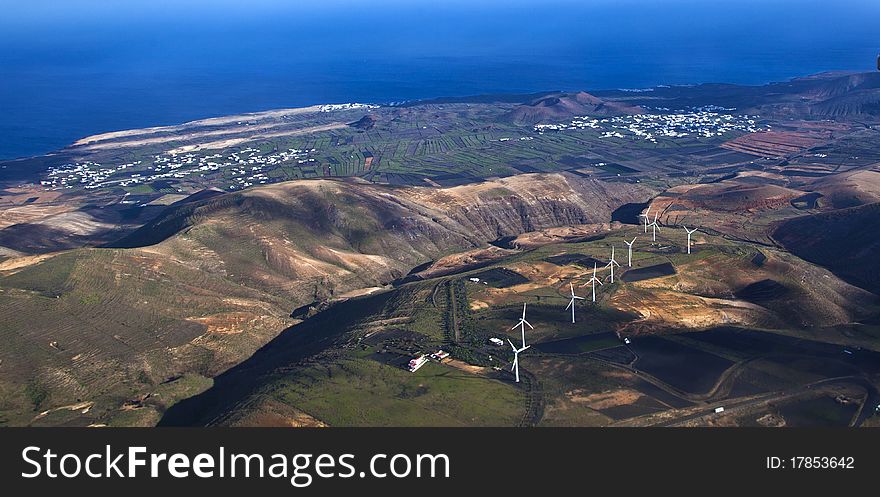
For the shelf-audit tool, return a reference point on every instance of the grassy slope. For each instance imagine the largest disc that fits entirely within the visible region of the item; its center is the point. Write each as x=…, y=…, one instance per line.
x=846, y=241
x=125, y=320
x=363, y=392
x=347, y=383
x=110, y=325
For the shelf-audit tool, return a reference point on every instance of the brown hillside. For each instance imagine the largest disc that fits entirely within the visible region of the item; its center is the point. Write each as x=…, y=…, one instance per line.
x=557, y=107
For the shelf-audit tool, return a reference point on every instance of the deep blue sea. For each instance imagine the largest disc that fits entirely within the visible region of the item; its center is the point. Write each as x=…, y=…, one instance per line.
x=73, y=68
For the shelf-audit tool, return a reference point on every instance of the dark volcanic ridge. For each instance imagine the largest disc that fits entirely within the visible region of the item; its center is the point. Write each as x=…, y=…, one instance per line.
x=555, y=107
x=825, y=95
x=365, y=123
x=492, y=98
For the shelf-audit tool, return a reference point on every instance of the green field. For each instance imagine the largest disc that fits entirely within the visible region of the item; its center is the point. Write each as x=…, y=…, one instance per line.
x=358, y=391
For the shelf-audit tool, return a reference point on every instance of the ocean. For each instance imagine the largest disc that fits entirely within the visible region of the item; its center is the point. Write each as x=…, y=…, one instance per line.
x=75, y=68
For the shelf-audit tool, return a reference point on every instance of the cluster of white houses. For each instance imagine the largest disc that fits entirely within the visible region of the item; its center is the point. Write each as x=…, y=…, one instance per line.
x=250, y=165
x=244, y=168
x=699, y=123
x=350, y=106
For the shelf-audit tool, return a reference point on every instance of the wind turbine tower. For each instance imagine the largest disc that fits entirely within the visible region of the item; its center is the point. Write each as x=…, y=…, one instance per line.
x=571, y=302
x=690, y=232
x=629, y=245
x=522, y=325
x=612, y=263
x=645, y=215
x=594, y=280
x=655, y=226
x=516, y=353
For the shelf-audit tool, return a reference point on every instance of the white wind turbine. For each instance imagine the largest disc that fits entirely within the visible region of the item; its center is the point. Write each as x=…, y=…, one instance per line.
x=594, y=280
x=690, y=232
x=571, y=302
x=654, y=225
x=516, y=352
x=612, y=263
x=522, y=324
x=645, y=215
x=630, y=250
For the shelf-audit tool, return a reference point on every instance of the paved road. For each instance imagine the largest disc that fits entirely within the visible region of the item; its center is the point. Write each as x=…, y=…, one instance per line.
x=868, y=405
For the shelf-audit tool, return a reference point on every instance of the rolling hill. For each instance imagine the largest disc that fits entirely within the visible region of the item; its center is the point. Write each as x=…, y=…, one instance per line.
x=119, y=301
x=830, y=95
x=120, y=333
x=846, y=241
x=560, y=106
x=345, y=366
x=850, y=189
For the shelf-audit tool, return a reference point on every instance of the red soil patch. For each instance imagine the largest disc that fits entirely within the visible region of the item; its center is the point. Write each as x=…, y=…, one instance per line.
x=777, y=143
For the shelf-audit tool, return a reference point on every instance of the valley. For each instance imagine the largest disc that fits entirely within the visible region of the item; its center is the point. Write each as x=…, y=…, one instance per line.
x=692, y=343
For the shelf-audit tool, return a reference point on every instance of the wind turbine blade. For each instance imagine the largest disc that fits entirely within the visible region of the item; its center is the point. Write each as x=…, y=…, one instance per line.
x=570, y=303
x=529, y=325
x=600, y=282
x=511, y=344
x=514, y=326
x=578, y=298
x=526, y=347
